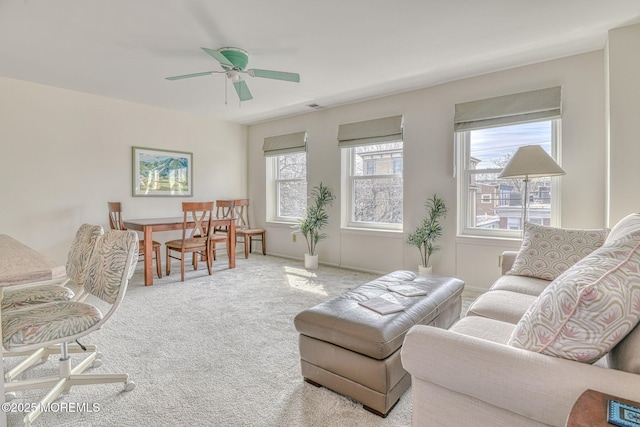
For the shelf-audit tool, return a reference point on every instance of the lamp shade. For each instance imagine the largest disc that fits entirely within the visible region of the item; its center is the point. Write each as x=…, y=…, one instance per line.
x=531, y=161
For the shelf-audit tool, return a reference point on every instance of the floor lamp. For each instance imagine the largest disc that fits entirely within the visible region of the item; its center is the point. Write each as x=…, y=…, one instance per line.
x=530, y=161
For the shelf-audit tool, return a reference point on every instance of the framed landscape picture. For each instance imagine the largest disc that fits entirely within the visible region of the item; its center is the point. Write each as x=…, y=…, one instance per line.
x=162, y=172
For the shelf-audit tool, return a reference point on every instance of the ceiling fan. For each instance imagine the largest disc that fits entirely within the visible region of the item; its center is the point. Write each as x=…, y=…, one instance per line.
x=234, y=62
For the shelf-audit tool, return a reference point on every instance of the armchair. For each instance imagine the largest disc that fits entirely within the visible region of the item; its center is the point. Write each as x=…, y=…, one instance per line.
x=109, y=270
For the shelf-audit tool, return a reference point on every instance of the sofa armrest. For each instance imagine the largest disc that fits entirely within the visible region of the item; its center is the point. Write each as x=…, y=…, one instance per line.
x=532, y=385
x=506, y=260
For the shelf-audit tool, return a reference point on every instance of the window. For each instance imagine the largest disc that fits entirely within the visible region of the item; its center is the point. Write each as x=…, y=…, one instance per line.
x=372, y=154
x=286, y=167
x=489, y=203
x=290, y=186
x=397, y=165
x=375, y=199
x=370, y=167
x=488, y=132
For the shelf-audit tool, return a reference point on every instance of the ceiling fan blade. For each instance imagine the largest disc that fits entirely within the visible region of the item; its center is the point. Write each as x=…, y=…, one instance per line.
x=218, y=57
x=188, y=76
x=277, y=75
x=243, y=90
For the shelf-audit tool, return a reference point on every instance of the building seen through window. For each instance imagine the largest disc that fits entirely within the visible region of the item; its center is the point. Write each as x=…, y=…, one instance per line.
x=375, y=184
x=290, y=185
x=496, y=204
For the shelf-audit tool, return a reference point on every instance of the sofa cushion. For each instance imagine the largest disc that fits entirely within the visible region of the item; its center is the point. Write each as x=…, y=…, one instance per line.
x=521, y=284
x=485, y=328
x=624, y=227
x=506, y=306
x=589, y=308
x=547, y=252
x=626, y=355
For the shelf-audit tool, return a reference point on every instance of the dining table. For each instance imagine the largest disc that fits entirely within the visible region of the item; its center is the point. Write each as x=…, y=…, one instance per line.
x=150, y=225
x=22, y=265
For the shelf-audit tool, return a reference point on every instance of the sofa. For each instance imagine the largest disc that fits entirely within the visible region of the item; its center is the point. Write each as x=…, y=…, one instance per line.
x=504, y=364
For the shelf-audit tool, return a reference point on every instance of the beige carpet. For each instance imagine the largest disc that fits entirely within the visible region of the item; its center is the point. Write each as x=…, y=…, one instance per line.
x=216, y=350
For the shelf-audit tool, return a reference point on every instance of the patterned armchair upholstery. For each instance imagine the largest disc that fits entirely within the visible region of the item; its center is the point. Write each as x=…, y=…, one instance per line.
x=107, y=275
x=79, y=254
x=24, y=296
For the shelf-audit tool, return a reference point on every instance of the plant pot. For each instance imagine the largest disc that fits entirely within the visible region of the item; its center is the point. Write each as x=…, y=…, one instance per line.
x=310, y=261
x=425, y=270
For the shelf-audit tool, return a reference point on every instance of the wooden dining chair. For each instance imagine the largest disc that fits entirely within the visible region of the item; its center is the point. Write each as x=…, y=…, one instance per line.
x=116, y=223
x=196, y=240
x=244, y=229
x=224, y=209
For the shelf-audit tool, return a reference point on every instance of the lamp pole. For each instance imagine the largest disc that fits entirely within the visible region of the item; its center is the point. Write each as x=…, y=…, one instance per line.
x=525, y=202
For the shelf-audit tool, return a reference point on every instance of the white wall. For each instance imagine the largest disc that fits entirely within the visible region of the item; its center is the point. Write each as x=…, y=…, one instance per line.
x=65, y=154
x=428, y=140
x=623, y=99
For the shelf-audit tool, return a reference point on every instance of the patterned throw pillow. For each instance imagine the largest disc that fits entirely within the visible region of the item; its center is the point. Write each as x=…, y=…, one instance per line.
x=547, y=252
x=586, y=311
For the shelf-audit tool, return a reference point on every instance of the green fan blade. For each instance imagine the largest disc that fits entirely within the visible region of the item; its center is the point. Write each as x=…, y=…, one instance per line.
x=218, y=57
x=243, y=90
x=188, y=76
x=277, y=75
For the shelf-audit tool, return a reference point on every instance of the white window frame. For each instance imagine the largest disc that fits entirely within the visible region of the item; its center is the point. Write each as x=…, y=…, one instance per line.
x=273, y=193
x=462, y=141
x=348, y=186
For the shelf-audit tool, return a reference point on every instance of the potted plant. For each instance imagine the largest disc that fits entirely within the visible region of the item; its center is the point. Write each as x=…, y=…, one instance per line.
x=424, y=236
x=316, y=219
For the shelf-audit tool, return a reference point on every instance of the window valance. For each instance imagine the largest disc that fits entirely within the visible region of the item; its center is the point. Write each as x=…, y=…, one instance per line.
x=523, y=107
x=284, y=144
x=386, y=129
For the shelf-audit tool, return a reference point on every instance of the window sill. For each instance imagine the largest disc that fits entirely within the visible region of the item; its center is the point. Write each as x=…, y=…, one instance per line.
x=281, y=224
x=489, y=241
x=372, y=232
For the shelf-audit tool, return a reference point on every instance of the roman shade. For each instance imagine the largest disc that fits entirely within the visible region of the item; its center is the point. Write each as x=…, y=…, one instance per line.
x=542, y=104
x=284, y=144
x=387, y=129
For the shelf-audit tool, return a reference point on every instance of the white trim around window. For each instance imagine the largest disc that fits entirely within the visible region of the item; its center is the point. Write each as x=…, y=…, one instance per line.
x=472, y=171
x=355, y=213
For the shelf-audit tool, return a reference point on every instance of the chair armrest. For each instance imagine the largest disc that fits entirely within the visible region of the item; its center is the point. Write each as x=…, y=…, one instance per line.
x=506, y=260
x=539, y=387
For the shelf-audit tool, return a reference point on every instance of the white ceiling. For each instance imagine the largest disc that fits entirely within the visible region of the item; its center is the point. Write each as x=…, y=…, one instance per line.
x=344, y=50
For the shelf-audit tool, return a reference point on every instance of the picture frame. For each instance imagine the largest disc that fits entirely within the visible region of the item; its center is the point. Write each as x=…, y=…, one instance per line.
x=157, y=172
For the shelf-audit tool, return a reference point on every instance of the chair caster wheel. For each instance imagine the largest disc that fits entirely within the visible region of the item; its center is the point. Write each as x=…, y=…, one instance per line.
x=8, y=397
x=96, y=363
x=128, y=386
x=99, y=355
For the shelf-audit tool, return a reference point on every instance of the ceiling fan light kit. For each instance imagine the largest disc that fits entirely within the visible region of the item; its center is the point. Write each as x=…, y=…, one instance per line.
x=234, y=61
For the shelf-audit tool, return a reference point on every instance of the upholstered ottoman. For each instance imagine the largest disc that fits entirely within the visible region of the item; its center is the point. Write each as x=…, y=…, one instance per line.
x=355, y=351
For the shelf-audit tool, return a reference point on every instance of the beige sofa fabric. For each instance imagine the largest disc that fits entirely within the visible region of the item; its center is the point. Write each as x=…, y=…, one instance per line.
x=521, y=285
x=505, y=383
x=469, y=372
x=501, y=305
x=625, y=356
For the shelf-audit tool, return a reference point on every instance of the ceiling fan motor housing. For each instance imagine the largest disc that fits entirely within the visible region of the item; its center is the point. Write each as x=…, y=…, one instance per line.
x=238, y=57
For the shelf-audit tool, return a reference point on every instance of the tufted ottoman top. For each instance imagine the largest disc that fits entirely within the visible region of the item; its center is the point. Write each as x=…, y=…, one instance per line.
x=343, y=322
